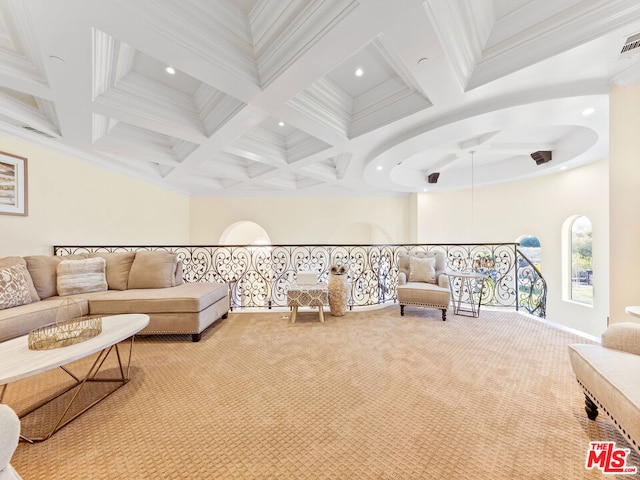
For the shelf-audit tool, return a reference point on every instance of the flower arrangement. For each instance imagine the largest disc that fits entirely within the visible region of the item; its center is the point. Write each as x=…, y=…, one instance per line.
x=336, y=269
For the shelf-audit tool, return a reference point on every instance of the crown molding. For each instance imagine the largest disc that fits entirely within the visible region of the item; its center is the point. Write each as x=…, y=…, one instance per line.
x=25, y=60
x=285, y=181
x=215, y=108
x=283, y=32
x=341, y=162
x=103, y=46
x=144, y=114
x=42, y=119
x=207, y=182
x=300, y=145
x=320, y=170
x=225, y=165
x=573, y=26
x=211, y=39
x=325, y=104
x=462, y=31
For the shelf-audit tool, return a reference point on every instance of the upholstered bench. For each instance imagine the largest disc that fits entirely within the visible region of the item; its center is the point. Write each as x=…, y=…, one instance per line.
x=608, y=375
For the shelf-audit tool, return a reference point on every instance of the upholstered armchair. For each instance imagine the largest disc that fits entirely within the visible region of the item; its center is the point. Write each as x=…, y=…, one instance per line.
x=9, y=436
x=422, y=281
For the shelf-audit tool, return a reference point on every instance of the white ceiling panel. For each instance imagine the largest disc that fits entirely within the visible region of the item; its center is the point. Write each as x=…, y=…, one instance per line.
x=265, y=99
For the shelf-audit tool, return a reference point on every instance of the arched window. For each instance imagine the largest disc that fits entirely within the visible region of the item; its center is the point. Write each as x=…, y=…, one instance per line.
x=244, y=233
x=581, y=261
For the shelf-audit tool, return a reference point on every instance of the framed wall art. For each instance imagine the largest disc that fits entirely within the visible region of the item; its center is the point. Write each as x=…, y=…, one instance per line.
x=13, y=185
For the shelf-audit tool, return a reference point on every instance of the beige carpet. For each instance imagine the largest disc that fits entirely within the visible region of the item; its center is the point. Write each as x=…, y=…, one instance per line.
x=370, y=395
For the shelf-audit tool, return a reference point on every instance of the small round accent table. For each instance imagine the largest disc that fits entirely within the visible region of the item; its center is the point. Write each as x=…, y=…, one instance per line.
x=466, y=283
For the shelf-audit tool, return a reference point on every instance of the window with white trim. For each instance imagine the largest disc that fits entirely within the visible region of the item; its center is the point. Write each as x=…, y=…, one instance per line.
x=581, y=261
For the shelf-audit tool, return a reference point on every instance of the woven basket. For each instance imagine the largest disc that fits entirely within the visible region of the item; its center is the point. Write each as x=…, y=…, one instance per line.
x=65, y=332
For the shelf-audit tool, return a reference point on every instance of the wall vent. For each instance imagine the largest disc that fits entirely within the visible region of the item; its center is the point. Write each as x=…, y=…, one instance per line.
x=39, y=132
x=630, y=45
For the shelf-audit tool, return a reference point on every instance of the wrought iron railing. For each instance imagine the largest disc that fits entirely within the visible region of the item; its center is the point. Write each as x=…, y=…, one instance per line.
x=259, y=275
x=532, y=287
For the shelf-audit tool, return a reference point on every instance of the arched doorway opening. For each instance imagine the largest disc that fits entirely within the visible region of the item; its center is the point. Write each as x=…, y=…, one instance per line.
x=244, y=233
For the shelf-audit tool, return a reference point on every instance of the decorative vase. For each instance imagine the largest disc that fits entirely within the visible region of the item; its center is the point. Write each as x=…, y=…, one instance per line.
x=338, y=294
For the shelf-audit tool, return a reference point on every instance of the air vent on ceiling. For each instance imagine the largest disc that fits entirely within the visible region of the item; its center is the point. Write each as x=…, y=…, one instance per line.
x=39, y=132
x=631, y=45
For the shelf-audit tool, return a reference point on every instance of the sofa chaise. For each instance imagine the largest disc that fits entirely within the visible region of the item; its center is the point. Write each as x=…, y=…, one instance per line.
x=40, y=289
x=608, y=375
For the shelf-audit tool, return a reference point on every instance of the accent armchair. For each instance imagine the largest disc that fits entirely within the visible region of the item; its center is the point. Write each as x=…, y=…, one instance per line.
x=9, y=436
x=422, y=281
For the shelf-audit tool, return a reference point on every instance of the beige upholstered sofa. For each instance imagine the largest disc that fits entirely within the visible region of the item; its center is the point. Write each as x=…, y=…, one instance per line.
x=608, y=374
x=422, y=281
x=9, y=435
x=33, y=289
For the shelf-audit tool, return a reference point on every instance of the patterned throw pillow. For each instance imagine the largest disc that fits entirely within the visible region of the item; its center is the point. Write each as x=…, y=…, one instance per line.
x=81, y=276
x=14, y=289
x=422, y=269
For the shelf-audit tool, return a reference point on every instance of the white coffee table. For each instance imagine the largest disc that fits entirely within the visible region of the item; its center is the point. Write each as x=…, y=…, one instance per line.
x=18, y=362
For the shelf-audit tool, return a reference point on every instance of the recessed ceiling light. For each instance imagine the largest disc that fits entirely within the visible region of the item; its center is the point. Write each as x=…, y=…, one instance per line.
x=588, y=111
x=281, y=124
x=379, y=167
x=425, y=190
x=170, y=70
x=563, y=167
x=359, y=72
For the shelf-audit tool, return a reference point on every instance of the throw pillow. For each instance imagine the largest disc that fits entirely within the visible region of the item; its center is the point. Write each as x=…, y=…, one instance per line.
x=179, y=278
x=623, y=336
x=422, y=269
x=10, y=262
x=44, y=272
x=118, y=268
x=153, y=270
x=14, y=288
x=81, y=276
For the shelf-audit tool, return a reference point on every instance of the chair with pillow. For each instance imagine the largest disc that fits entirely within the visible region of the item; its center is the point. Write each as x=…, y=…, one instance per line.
x=422, y=281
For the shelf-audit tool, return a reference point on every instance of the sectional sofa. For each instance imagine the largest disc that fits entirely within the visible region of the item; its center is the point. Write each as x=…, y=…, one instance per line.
x=40, y=289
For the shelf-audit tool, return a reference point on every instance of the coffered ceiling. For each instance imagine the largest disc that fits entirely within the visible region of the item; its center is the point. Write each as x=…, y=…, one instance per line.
x=316, y=97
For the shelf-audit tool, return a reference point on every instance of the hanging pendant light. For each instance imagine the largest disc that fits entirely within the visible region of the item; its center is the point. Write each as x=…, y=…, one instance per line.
x=469, y=257
x=472, y=192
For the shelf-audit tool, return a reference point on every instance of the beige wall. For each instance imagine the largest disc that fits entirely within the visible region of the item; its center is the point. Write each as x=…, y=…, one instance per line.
x=74, y=202
x=538, y=207
x=624, y=147
x=304, y=220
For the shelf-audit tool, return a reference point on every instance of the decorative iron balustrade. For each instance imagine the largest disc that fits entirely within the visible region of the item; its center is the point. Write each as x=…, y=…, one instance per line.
x=259, y=275
x=532, y=287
